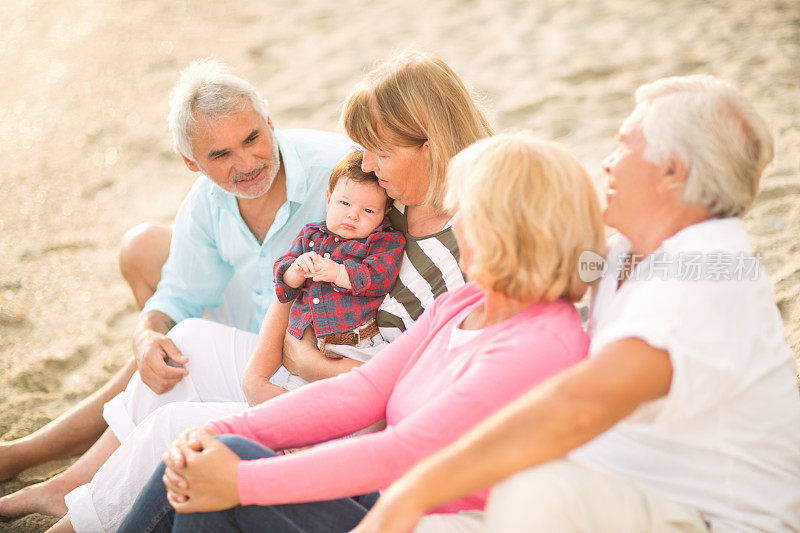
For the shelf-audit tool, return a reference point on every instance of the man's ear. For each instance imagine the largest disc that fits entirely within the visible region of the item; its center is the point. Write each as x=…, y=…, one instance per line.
x=269, y=123
x=674, y=175
x=191, y=165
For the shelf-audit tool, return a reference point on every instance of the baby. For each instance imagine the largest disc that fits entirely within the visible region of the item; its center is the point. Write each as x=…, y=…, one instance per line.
x=338, y=271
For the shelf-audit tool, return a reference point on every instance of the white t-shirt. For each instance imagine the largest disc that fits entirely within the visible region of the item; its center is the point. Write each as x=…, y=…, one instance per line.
x=460, y=337
x=726, y=438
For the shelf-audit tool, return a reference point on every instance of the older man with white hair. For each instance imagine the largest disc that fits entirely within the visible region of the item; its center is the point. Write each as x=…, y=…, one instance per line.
x=258, y=187
x=686, y=416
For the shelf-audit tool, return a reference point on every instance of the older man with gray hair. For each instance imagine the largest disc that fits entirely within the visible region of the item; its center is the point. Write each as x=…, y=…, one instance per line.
x=686, y=415
x=258, y=187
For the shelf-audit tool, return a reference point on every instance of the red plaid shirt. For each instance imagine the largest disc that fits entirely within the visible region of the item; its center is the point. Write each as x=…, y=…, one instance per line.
x=372, y=264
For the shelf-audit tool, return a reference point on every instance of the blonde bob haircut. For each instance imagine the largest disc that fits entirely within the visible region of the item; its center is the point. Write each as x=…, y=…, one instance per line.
x=412, y=99
x=528, y=209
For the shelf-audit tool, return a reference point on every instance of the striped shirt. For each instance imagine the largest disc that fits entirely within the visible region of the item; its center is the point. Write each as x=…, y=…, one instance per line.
x=429, y=267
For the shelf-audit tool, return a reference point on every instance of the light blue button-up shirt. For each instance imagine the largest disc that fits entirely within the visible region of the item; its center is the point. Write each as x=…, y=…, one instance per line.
x=211, y=242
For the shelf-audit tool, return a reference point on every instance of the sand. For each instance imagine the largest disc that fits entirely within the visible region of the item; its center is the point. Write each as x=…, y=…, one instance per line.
x=85, y=152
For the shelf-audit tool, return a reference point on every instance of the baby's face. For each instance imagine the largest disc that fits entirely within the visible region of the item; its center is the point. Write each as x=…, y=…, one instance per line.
x=355, y=208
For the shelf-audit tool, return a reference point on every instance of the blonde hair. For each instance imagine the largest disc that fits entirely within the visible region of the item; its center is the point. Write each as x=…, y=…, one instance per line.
x=529, y=209
x=416, y=98
x=709, y=125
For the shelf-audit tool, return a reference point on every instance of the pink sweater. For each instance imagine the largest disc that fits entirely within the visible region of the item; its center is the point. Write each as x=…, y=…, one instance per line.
x=428, y=393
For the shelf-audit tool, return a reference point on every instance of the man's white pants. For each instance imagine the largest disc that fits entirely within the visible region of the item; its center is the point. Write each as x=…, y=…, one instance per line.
x=146, y=423
x=563, y=496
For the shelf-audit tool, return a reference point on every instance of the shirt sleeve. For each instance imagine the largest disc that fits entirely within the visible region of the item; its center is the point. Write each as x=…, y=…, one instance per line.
x=499, y=373
x=283, y=292
x=375, y=275
x=194, y=276
x=670, y=315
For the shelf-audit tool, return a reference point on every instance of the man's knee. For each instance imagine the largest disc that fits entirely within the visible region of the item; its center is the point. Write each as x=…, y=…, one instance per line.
x=536, y=495
x=143, y=251
x=245, y=448
x=186, y=329
x=200, y=340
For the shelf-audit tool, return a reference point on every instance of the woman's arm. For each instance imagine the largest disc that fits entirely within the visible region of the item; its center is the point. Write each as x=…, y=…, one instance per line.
x=301, y=357
x=329, y=408
x=540, y=426
x=275, y=347
x=266, y=358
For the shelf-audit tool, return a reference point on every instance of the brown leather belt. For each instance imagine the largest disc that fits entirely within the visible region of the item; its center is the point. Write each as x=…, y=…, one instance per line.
x=350, y=338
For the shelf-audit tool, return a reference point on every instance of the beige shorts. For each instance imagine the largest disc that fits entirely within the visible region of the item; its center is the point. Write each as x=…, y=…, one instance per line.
x=564, y=496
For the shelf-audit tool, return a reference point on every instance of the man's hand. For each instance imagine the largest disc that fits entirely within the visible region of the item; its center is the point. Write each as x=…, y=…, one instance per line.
x=207, y=482
x=156, y=358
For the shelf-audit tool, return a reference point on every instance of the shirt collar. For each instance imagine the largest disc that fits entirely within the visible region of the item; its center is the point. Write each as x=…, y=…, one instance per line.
x=678, y=241
x=705, y=231
x=223, y=198
x=296, y=179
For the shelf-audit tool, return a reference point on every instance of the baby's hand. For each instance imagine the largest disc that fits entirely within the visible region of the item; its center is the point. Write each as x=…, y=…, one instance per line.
x=301, y=268
x=305, y=264
x=326, y=269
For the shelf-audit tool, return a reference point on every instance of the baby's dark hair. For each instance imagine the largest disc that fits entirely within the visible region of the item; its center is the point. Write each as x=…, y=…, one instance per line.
x=350, y=167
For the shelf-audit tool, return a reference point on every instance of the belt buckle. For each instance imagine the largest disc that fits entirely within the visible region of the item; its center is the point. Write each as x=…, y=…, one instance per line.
x=357, y=334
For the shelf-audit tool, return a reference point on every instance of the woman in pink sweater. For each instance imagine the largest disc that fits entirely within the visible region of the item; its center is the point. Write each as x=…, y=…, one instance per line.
x=526, y=212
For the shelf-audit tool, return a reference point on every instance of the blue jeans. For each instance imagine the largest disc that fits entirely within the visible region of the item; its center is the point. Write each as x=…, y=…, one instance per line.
x=152, y=512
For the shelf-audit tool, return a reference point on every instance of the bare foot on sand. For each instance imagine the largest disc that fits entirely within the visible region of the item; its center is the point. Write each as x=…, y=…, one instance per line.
x=45, y=498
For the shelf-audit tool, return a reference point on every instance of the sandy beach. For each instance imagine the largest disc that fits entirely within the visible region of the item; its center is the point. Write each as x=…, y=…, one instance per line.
x=86, y=153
